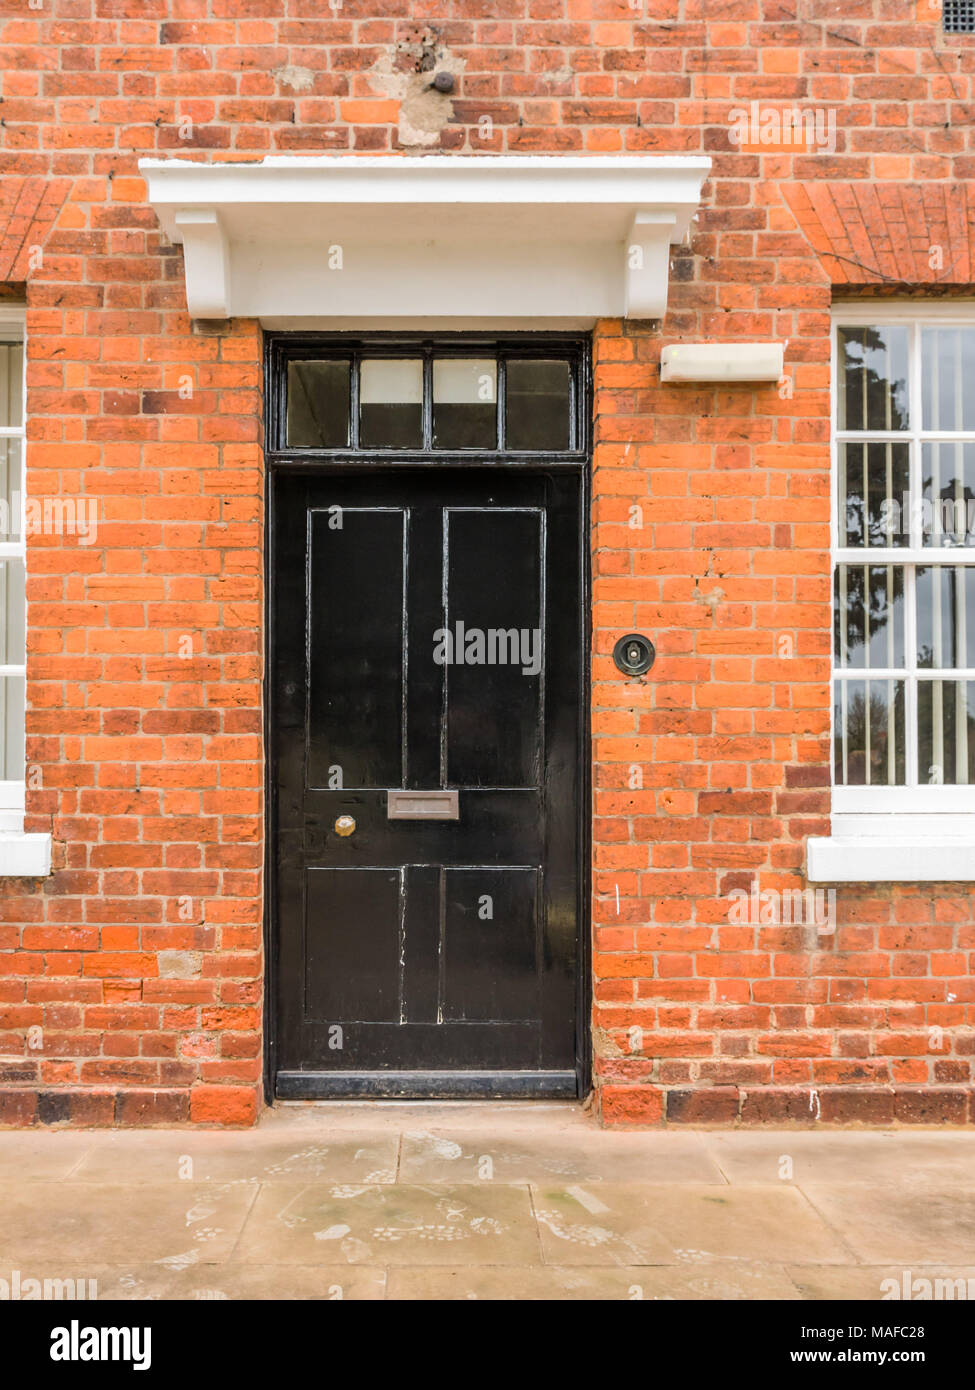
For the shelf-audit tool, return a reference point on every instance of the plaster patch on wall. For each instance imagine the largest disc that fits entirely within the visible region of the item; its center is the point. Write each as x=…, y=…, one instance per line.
x=604, y=1044
x=405, y=73
x=298, y=79
x=180, y=965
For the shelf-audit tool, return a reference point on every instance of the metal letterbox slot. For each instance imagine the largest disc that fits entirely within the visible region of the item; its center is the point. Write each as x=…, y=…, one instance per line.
x=435, y=805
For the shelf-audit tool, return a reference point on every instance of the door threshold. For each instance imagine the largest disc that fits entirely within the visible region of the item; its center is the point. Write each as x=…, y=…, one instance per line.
x=426, y=1085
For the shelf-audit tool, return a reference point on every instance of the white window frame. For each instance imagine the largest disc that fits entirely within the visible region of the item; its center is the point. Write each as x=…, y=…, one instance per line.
x=915, y=832
x=12, y=330
x=20, y=854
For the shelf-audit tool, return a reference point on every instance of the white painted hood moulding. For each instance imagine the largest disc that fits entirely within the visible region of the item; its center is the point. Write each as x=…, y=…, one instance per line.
x=455, y=238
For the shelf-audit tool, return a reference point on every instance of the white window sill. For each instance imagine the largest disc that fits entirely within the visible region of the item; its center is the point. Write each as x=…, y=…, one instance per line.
x=24, y=855
x=892, y=857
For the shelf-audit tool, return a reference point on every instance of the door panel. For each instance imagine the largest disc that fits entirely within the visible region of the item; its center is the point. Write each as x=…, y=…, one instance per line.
x=489, y=944
x=494, y=564
x=339, y=983
x=414, y=648
x=356, y=667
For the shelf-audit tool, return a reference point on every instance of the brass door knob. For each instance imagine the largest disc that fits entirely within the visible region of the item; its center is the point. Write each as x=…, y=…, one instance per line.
x=345, y=825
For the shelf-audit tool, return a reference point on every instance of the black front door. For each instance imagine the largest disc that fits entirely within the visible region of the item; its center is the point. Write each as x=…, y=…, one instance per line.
x=426, y=671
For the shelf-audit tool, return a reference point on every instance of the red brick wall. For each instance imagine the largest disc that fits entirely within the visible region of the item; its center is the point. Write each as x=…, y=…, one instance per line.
x=140, y=957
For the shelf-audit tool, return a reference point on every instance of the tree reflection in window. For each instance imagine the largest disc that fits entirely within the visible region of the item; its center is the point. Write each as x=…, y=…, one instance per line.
x=873, y=366
x=869, y=616
x=869, y=733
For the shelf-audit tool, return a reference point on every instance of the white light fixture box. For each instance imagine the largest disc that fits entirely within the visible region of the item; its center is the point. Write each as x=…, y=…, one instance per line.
x=722, y=362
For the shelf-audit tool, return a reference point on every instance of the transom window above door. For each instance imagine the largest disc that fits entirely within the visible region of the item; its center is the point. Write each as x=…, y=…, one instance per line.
x=425, y=396
x=904, y=560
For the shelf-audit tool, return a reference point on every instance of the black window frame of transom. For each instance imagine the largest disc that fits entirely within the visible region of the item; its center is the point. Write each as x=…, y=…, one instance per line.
x=285, y=348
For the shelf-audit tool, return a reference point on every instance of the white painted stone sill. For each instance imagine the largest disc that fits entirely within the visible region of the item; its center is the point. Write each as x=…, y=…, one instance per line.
x=891, y=858
x=24, y=855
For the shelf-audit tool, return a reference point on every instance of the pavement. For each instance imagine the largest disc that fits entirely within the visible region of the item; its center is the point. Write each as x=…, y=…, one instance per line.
x=373, y=1200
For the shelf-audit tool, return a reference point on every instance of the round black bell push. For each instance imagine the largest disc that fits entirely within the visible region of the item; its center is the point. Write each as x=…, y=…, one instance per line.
x=634, y=654
x=443, y=82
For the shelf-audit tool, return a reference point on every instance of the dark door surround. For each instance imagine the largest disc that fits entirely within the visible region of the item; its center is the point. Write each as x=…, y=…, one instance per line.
x=347, y=463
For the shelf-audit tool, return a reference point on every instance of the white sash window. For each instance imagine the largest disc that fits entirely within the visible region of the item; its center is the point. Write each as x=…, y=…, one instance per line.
x=903, y=528
x=20, y=854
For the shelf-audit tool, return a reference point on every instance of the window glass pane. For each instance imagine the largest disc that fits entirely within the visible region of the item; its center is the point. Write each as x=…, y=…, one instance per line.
x=948, y=378
x=11, y=489
x=874, y=494
x=945, y=613
x=391, y=403
x=318, y=405
x=873, y=379
x=465, y=397
x=868, y=733
x=948, y=493
x=946, y=732
x=12, y=384
x=12, y=723
x=536, y=405
x=869, y=616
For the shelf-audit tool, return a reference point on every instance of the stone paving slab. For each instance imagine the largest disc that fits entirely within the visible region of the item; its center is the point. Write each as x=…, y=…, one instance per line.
x=103, y=1224
x=489, y=1224
x=859, y=1158
x=872, y=1282
x=508, y=1200
x=32, y=1156
x=154, y=1156
x=448, y=1155
x=700, y=1281
x=658, y=1224
x=232, y=1279
x=883, y=1226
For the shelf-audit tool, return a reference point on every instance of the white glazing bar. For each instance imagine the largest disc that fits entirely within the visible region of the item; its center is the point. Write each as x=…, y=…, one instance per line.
x=883, y=673
x=961, y=733
x=889, y=447
x=960, y=517
x=865, y=496
x=863, y=381
x=841, y=618
x=891, y=735
x=866, y=733
x=866, y=617
x=891, y=620
x=936, y=537
x=959, y=395
x=910, y=682
x=841, y=510
x=889, y=555
x=845, y=730
x=961, y=659
x=914, y=463
x=881, y=436
x=891, y=661
x=937, y=645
